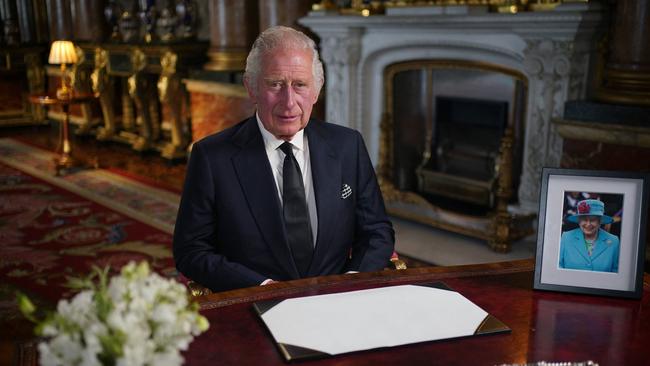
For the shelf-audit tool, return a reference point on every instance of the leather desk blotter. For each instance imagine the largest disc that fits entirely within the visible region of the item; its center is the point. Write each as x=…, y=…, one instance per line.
x=326, y=325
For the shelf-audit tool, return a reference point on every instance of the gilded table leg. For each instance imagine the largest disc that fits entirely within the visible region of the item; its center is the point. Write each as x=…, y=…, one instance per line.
x=128, y=113
x=138, y=90
x=103, y=86
x=171, y=93
x=80, y=84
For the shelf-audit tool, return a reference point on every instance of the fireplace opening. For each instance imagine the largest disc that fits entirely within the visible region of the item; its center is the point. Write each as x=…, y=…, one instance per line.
x=465, y=146
x=444, y=130
x=467, y=136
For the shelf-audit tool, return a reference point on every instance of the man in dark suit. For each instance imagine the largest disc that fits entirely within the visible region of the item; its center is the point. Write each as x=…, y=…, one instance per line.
x=280, y=196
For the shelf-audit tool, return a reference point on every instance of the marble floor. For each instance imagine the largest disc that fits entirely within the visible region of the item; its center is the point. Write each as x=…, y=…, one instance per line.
x=444, y=248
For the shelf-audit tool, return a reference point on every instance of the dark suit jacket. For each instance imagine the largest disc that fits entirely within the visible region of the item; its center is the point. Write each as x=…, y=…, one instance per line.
x=229, y=231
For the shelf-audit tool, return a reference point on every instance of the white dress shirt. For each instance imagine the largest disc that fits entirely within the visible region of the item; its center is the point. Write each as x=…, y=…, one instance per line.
x=300, y=147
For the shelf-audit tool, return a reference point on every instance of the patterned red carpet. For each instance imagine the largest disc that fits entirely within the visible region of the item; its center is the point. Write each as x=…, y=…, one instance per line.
x=54, y=227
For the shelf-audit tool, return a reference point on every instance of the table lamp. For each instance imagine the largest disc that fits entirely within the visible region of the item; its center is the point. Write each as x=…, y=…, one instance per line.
x=63, y=52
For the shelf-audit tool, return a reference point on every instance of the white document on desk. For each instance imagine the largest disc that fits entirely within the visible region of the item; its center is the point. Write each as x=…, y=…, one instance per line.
x=383, y=317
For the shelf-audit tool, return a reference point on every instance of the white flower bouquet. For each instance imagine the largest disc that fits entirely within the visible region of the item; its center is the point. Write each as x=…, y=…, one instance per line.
x=139, y=318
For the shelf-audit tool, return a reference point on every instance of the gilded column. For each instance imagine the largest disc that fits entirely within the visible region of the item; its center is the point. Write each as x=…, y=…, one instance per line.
x=233, y=28
x=25, y=16
x=282, y=12
x=626, y=76
x=88, y=16
x=9, y=21
x=60, y=19
x=32, y=20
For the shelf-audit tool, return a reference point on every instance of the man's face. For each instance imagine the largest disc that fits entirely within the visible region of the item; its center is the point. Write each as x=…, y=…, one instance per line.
x=285, y=91
x=589, y=225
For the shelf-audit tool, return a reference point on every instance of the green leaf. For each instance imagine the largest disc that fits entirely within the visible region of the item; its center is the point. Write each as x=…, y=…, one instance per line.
x=26, y=306
x=202, y=323
x=79, y=283
x=112, y=345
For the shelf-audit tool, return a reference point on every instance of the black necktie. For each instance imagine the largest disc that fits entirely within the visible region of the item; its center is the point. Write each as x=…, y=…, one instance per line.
x=296, y=214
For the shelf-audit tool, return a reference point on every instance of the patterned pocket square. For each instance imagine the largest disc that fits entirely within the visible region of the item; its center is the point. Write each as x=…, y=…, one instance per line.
x=346, y=191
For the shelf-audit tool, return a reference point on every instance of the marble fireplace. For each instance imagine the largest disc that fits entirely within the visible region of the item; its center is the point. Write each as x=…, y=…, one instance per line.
x=549, y=52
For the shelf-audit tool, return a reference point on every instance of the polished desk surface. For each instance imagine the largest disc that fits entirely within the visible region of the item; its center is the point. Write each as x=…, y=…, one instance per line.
x=546, y=326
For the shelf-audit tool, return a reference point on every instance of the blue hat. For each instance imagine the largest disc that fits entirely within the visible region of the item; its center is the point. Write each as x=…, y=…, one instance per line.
x=591, y=208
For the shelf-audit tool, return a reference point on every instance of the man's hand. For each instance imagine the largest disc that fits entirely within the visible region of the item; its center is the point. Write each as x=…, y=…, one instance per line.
x=267, y=282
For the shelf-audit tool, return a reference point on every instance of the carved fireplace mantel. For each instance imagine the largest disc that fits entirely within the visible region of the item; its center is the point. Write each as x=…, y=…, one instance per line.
x=551, y=49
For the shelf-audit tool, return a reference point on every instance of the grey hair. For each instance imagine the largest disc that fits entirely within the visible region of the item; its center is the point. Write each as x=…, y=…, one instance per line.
x=281, y=37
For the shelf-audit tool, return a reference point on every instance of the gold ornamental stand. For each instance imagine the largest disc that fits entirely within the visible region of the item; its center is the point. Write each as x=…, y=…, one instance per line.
x=65, y=161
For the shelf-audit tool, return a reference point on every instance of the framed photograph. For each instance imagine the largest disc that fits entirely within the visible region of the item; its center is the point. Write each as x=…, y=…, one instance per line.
x=592, y=232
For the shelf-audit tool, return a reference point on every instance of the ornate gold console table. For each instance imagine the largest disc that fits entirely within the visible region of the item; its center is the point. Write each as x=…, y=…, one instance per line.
x=143, y=101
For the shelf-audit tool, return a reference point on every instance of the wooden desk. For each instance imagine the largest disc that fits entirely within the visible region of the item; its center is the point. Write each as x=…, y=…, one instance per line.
x=545, y=326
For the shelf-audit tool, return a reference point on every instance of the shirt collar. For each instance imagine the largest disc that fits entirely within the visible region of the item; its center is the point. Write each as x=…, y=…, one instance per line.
x=271, y=143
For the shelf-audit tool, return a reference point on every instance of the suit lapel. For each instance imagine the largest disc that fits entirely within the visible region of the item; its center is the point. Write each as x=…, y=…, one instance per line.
x=257, y=182
x=326, y=175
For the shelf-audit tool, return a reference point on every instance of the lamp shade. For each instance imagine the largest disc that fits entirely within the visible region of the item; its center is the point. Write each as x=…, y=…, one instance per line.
x=62, y=52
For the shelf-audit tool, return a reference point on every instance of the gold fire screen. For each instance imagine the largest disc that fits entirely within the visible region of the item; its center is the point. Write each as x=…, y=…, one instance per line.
x=451, y=147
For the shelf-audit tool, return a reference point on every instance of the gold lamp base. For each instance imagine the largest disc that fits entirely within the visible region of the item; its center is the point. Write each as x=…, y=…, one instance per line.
x=64, y=93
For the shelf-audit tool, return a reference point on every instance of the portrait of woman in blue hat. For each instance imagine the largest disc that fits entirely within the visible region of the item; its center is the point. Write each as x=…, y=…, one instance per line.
x=589, y=247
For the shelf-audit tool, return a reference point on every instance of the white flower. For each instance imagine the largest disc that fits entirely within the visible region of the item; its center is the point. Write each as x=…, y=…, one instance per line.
x=170, y=358
x=50, y=330
x=46, y=356
x=89, y=357
x=67, y=348
x=136, y=353
x=91, y=337
x=79, y=310
x=138, y=318
x=164, y=313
